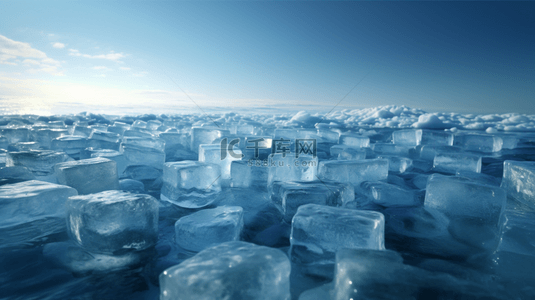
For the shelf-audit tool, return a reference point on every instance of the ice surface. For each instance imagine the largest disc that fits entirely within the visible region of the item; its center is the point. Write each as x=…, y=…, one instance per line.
x=190, y=184
x=28, y=201
x=479, y=142
x=40, y=162
x=232, y=270
x=318, y=231
x=453, y=162
x=88, y=176
x=131, y=185
x=113, y=222
x=353, y=171
x=398, y=164
x=519, y=181
x=209, y=227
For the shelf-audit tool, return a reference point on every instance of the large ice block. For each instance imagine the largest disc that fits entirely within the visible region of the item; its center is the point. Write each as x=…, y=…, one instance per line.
x=203, y=135
x=138, y=155
x=116, y=156
x=372, y=274
x=45, y=136
x=248, y=173
x=113, y=222
x=475, y=210
x=389, y=195
x=88, y=176
x=438, y=138
x=232, y=270
x=407, y=137
x=519, y=181
x=318, y=231
x=289, y=168
x=28, y=201
x=354, y=140
x=40, y=162
x=15, y=135
x=190, y=184
x=453, y=162
x=289, y=196
x=213, y=154
x=354, y=171
x=344, y=152
x=71, y=145
x=479, y=142
x=209, y=227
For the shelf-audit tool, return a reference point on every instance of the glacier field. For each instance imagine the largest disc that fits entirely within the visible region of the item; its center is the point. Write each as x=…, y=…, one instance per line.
x=378, y=203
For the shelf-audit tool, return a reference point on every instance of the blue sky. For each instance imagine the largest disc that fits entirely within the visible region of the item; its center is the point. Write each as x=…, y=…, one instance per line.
x=60, y=56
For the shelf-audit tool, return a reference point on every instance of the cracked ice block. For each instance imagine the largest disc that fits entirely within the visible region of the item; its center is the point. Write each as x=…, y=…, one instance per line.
x=40, y=162
x=232, y=270
x=318, y=231
x=209, y=227
x=88, y=176
x=190, y=184
x=113, y=222
x=354, y=171
x=519, y=181
x=28, y=201
x=407, y=137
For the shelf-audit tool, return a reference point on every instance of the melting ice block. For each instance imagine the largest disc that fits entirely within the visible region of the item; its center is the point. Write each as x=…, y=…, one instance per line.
x=113, y=222
x=209, y=227
x=318, y=231
x=354, y=171
x=28, y=201
x=88, y=176
x=475, y=210
x=190, y=184
x=519, y=181
x=232, y=270
x=453, y=162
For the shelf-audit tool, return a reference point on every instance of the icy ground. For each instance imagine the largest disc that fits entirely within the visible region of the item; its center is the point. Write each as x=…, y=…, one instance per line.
x=378, y=203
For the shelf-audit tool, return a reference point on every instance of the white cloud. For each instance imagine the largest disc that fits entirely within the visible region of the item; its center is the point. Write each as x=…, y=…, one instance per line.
x=110, y=56
x=140, y=74
x=12, y=51
x=58, y=45
x=125, y=68
x=102, y=68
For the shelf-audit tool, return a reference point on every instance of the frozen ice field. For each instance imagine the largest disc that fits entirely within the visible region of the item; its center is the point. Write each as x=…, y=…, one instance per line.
x=378, y=203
